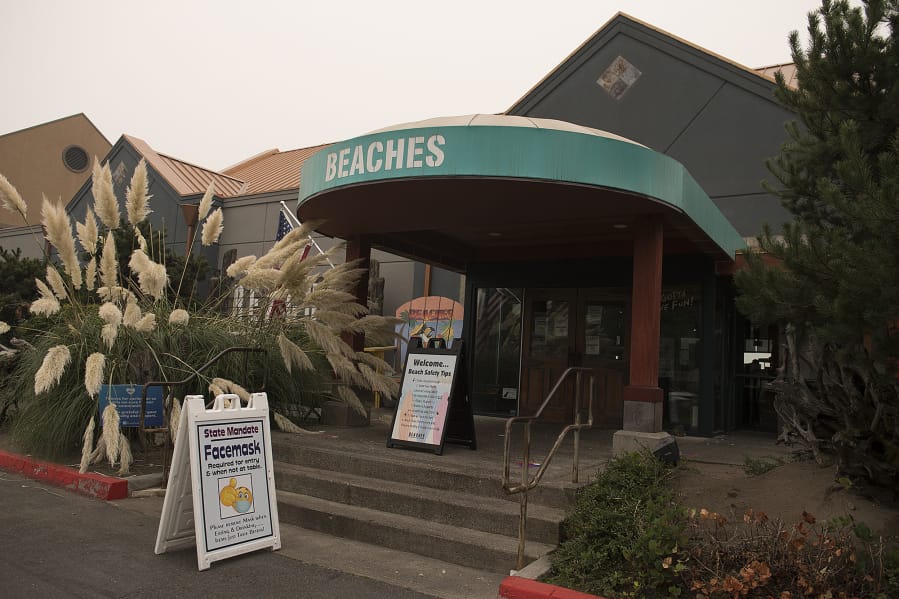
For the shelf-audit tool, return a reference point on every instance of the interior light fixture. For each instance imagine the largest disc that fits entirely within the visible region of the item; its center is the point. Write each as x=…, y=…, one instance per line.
x=619, y=226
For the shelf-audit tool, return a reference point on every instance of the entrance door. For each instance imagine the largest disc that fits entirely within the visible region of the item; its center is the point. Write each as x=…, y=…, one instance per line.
x=574, y=327
x=547, y=349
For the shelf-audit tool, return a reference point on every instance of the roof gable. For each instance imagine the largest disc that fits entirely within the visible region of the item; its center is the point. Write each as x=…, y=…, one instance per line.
x=678, y=48
x=185, y=178
x=718, y=118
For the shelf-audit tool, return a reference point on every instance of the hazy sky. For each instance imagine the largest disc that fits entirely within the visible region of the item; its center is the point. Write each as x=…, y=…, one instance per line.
x=215, y=82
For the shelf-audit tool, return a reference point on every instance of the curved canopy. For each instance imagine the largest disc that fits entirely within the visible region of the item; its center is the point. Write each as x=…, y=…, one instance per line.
x=482, y=188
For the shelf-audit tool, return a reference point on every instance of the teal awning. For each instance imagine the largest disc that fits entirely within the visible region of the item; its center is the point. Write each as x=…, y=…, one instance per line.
x=503, y=178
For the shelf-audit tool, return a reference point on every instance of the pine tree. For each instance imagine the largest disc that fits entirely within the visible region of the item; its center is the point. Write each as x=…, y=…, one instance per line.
x=834, y=289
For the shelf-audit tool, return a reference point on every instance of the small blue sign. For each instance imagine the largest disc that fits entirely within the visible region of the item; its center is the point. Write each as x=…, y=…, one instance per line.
x=127, y=402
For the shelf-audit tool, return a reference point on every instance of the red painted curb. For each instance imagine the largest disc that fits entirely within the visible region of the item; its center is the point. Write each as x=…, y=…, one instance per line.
x=90, y=484
x=515, y=587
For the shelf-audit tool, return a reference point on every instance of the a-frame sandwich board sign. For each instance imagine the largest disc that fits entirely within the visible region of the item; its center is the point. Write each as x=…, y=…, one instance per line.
x=433, y=407
x=221, y=490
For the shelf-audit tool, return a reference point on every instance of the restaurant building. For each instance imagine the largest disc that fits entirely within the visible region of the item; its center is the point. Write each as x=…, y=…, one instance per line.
x=597, y=223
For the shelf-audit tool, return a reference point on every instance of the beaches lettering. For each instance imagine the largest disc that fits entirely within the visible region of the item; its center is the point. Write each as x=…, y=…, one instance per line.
x=391, y=154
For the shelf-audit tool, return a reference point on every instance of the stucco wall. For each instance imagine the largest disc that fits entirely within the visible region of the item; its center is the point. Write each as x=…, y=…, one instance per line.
x=32, y=160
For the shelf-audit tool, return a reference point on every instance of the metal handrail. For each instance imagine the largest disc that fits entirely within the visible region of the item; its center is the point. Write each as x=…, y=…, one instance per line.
x=528, y=482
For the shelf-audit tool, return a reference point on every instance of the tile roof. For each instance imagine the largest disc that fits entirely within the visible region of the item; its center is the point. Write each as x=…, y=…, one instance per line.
x=185, y=178
x=788, y=70
x=272, y=170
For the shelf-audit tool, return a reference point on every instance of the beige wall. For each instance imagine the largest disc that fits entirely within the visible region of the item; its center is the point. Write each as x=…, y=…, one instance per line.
x=32, y=161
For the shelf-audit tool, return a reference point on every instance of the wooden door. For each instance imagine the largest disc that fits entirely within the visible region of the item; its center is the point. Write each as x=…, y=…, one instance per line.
x=547, y=349
x=603, y=344
x=575, y=327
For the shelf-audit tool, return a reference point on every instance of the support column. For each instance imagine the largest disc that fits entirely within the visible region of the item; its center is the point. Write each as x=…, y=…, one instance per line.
x=356, y=248
x=643, y=397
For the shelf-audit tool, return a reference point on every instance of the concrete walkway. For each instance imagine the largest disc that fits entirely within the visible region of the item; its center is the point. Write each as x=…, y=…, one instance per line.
x=68, y=545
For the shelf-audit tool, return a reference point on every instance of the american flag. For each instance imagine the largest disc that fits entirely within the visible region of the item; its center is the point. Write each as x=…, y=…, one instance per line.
x=284, y=226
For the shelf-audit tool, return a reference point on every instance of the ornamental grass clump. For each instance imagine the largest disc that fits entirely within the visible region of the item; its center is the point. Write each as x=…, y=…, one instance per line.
x=112, y=314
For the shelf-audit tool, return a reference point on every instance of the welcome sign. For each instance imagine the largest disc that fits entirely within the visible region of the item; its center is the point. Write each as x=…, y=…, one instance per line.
x=429, y=396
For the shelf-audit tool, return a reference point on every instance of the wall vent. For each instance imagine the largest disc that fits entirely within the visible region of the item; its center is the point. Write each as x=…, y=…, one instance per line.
x=76, y=159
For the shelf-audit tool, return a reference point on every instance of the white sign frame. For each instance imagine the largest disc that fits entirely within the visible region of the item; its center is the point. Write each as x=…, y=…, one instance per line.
x=199, y=507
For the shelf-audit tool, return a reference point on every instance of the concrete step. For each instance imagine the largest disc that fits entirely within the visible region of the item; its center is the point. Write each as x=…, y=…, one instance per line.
x=416, y=468
x=430, y=577
x=457, y=545
x=488, y=514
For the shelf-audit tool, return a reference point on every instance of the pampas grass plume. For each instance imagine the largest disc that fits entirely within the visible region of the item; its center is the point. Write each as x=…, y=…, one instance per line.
x=90, y=274
x=137, y=197
x=86, y=446
x=110, y=314
x=10, y=198
x=215, y=390
x=132, y=314
x=87, y=232
x=59, y=233
x=152, y=278
x=125, y=456
x=93, y=372
x=293, y=354
x=179, y=317
x=108, y=333
x=56, y=283
x=42, y=288
x=240, y=266
x=175, y=419
x=213, y=227
x=111, y=432
x=4, y=328
x=262, y=279
x=54, y=364
x=141, y=240
x=48, y=306
x=157, y=279
x=146, y=324
x=230, y=386
x=105, y=202
x=109, y=264
x=287, y=426
x=206, y=202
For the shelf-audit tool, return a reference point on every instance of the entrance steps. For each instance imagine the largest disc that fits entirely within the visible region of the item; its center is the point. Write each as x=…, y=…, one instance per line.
x=449, y=508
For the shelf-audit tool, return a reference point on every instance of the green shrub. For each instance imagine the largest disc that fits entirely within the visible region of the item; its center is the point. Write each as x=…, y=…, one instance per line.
x=624, y=533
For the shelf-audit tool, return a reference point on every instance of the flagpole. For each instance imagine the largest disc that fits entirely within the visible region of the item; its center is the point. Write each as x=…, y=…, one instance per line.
x=290, y=215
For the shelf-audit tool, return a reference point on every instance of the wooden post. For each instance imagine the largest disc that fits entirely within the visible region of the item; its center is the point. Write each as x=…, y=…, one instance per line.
x=359, y=247
x=643, y=397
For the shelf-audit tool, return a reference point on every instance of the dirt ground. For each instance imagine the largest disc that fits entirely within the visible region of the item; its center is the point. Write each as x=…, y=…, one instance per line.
x=785, y=491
